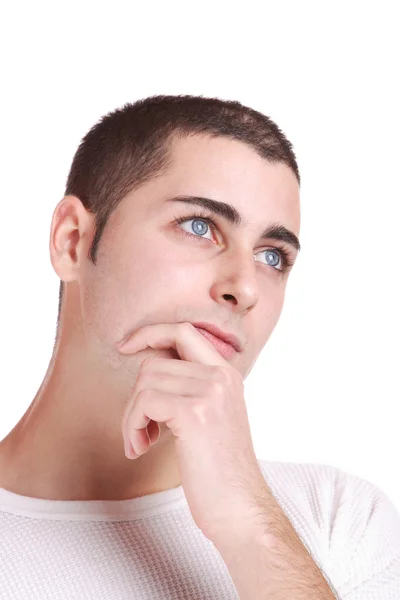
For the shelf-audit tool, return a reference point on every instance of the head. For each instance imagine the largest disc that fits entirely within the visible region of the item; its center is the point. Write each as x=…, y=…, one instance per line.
x=125, y=242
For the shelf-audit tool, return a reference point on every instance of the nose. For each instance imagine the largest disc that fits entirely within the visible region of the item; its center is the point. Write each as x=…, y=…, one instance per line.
x=237, y=283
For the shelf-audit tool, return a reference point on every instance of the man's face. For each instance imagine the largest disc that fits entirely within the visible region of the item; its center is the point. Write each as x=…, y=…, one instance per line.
x=148, y=271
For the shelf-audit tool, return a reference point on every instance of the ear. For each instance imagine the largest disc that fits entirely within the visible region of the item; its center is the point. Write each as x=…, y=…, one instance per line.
x=72, y=230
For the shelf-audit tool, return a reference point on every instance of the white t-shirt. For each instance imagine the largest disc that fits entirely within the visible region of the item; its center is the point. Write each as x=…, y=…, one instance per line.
x=150, y=548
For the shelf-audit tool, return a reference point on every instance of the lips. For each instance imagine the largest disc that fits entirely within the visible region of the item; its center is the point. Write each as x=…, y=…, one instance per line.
x=228, y=338
x=226, y=350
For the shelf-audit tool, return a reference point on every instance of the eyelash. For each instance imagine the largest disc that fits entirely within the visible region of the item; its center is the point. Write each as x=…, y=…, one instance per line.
x=285, y=256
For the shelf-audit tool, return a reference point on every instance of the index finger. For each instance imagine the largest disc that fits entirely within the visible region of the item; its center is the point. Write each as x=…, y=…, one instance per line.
x=184, y=338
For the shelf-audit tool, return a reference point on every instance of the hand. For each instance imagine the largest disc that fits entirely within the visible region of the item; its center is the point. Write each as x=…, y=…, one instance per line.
x=200, y=398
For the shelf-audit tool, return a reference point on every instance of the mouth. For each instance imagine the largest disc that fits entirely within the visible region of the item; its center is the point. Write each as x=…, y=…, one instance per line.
x=226, y=343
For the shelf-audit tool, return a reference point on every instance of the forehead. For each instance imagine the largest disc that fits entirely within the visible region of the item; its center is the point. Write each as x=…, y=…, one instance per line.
x=230, y=171
x=221, y=169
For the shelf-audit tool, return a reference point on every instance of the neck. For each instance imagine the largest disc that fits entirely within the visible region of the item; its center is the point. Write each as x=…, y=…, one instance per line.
x=68, y=445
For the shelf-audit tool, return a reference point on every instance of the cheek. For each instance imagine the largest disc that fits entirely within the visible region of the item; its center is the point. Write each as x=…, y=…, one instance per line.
x=151, y=286
x=157, y=276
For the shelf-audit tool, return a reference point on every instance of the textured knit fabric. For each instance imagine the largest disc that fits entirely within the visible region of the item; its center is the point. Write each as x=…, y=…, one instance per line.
x=150, y=547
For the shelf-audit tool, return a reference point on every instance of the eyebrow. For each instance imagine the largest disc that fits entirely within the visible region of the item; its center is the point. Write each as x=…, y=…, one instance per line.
x=275, y=231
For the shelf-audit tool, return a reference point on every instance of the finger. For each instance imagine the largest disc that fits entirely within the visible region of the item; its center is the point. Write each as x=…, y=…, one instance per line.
x=162, y=367
x=184, y=338
x=149, y=405
x=170, y=383
x=151, y=378
x=148, y=437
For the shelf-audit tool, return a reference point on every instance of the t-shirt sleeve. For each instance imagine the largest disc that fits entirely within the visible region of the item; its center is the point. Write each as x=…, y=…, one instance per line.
x=364, y=542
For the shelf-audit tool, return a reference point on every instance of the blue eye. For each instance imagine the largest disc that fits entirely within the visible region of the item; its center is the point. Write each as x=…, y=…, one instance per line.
x=198, y=226
x=270, y=256
x=199, y=229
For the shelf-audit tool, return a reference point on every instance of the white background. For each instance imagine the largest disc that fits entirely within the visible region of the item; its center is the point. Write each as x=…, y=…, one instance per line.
x=326, y=387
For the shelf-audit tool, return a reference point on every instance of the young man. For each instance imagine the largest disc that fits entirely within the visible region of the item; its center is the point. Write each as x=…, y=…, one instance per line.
x=134, y=478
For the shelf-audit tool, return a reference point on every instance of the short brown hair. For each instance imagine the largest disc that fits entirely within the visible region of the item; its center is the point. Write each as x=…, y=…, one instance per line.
x=129, y=146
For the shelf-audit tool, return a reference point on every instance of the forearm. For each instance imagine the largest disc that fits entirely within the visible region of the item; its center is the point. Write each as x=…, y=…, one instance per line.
x=270, y=562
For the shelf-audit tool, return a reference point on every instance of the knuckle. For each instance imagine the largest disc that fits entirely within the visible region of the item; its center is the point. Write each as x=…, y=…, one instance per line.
x=216, y=388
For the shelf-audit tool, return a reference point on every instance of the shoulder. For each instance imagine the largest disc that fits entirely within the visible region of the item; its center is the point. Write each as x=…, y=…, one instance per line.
x=354, y=524
x=326, y=491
